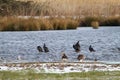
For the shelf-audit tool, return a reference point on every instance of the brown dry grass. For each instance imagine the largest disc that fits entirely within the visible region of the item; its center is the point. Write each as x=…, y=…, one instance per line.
x=32, y=24
x=78, y=7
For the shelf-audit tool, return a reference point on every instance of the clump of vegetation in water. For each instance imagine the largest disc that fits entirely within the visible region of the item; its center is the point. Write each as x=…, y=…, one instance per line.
x=95, y=24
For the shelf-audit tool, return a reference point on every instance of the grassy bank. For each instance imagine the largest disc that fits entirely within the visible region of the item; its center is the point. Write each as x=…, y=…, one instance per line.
x=100, y=21
x=31, y=75
x=32, y=24
x=53, y=23
x=99, y=16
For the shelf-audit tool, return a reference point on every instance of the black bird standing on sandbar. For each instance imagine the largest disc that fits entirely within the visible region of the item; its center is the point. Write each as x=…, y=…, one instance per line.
x=81, y=57
x=39, y=49
x=77, y=47
x=45, y=48
x=91, y=49
x=64, y=57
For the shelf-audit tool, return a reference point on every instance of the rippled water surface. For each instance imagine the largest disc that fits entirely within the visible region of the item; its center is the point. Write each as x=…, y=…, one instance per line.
x=105, y=40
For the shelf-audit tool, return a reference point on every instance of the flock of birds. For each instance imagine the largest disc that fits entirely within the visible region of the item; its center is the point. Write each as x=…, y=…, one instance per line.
x=64, y=57
x=45, y=48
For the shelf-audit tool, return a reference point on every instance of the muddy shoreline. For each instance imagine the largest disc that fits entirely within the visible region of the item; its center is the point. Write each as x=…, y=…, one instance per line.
x=60, y=67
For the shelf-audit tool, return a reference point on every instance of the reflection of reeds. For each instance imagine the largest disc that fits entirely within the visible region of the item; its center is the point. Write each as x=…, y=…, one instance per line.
x=32, y=24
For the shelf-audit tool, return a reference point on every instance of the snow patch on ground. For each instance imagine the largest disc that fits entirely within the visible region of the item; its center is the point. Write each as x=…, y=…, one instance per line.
x=59, y=67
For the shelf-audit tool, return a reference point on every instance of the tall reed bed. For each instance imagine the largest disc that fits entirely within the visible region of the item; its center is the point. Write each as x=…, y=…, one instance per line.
x=95, y=22
x=71, y=7
x=36, y=24
x=111, y=21
x=61, y=7
x=32, y=24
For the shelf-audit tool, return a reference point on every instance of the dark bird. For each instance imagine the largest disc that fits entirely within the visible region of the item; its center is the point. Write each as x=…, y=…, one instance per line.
x=81, y=57
x=91, y=49
x=45, y=48
x=76, y=47
x=118, y=48
x=77, y=44
x=95, y=59
x=39, y=49
x=1, y=58
x=64, y=57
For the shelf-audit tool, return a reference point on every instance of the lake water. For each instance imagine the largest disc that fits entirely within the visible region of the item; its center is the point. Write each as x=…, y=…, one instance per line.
x=105, y=40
